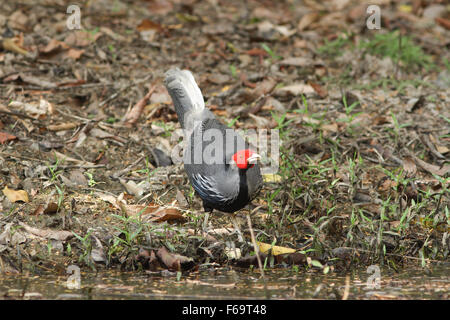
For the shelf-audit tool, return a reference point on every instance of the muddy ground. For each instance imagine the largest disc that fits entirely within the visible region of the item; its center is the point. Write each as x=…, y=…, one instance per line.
x=87, y=129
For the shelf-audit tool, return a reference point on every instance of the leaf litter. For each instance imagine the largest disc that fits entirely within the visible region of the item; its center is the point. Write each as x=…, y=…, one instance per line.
x=82, y=113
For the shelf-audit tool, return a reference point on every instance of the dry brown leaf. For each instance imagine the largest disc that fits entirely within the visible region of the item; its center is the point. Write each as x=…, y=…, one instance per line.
x=257, y=52
x=295, y=89
x=332, y=127
x=18, y=20
x=249, y=260
x=15, y=195
x=39, y=210
x=440, y=171
x=52, y=208
x=295, y=258
x=31, y=109
x=81, y=38
x=443, y=22
x=4, y=137
x=37, y=81
x=74, y=54
x=387, y=185
x=160, y=7
x=54, y=45
x=173, y=261
x=306, y=20
x=167, y=214
x=321, y=91
x=131, y=117
x=409, y=166
x=153, y=213
x=60, y=235
x=442, y=149
x=147, y=24
x=264, y=87
x=297, y=62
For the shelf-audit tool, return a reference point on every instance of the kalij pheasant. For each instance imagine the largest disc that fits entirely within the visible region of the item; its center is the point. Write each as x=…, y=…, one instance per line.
x=220, y=165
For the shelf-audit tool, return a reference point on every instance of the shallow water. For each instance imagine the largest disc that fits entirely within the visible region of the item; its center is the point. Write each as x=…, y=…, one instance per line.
x=411, y=283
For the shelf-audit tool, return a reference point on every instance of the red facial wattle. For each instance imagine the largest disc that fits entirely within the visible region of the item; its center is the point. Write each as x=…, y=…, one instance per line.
x=241, y=159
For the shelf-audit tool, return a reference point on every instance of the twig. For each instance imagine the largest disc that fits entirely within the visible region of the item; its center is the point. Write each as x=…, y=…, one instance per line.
x=83, y=166
x=81, y=86
x=18, y=114
x=115, y=94
x=123, y=171
x=392, y=254
x=347, y=288
x=255, y=246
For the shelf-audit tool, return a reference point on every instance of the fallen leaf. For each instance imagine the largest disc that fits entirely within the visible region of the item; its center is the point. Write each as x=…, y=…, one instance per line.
x=249, y=260
x=48, y=233
x=160, y=7
x=74, y=54
x=131, y=117
x=37, y=81
x=147, y=24
x=232, y=253
x=39, y=210
x=297, y=62
x=295, y=90
x=18, y=20
x=295, y=258
x=52, y=208
x=54, y=45
x=442, y=149
x=4, y=137
x=132, y=187
x=332, y=127
x=153, y=212
x=257, y=52
x=443, y=22
x=173, y=261
x=307, y=20
x=272, y=178
x=81, y=38
x=167, y=214
x=264, y=87
x=321, y=91
x=440, y=171
x=276, y=250
x=97, y=251
x=15, y=195
x=11, y=45
x=409, y=166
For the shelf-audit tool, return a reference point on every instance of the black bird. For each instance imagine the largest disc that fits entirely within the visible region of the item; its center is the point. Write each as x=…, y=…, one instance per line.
x=220, y=164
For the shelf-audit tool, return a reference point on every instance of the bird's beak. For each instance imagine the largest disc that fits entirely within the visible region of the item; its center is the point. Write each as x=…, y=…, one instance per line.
x=253, y=159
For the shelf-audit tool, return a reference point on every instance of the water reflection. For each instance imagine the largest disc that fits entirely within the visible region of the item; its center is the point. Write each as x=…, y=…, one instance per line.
x=232, y=284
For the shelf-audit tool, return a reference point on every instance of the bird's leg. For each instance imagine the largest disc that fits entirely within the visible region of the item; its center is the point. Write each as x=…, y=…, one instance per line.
x=208, y=210
x=236, y=227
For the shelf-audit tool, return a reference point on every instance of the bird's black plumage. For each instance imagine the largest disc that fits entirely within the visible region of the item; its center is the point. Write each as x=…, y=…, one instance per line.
x=210, y=148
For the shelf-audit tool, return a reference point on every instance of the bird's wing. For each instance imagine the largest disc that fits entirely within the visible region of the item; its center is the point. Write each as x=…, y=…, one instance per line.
x=208, y=189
